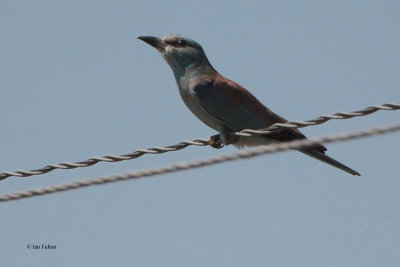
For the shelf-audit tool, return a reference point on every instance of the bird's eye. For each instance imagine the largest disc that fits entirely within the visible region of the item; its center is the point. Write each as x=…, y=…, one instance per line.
x=180, y=43
x=176, y=43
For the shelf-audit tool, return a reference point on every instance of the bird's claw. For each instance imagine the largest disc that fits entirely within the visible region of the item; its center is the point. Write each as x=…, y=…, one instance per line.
x=215, y=141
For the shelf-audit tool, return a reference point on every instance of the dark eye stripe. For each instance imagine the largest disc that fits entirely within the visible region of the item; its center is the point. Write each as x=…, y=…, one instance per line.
x=177, y=43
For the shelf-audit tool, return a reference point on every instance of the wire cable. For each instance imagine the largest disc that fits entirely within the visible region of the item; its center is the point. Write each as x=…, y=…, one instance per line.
x=273, y=148
x=197, y=142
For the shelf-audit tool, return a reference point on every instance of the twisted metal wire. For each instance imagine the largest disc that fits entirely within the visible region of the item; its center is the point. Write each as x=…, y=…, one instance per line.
x=273, y=148
x=319, y=120
x=106, y=158
x=197, y=142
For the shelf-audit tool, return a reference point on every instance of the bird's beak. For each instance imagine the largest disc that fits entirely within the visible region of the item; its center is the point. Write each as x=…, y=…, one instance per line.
x=154, y=42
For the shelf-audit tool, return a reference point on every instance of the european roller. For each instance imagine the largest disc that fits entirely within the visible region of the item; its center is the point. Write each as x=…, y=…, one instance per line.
x=222, y=104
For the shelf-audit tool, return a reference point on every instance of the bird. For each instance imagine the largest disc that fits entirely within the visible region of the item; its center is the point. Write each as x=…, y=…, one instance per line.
x=223, y=104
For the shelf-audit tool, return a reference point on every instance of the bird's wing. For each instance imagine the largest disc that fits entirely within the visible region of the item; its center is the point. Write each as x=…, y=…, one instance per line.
x=234, y=105
x=238, y=108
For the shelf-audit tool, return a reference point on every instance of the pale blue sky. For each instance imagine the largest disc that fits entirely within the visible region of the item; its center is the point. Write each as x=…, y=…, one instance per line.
x=76, y=83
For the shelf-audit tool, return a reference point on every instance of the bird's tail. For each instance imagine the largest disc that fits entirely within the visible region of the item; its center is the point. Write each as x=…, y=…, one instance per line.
x=324, y=158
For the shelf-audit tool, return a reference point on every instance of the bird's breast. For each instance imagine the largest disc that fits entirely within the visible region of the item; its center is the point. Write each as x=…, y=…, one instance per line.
x=190, y=99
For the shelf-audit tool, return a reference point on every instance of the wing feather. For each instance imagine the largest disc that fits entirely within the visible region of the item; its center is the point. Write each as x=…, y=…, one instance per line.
x=239, y=109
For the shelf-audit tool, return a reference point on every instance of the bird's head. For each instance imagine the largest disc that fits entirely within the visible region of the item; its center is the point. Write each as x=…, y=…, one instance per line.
x=179, y=52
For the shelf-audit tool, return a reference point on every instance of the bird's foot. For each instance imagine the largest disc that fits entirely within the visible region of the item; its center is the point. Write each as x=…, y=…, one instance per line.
x=218, y=141
x=215, y=141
